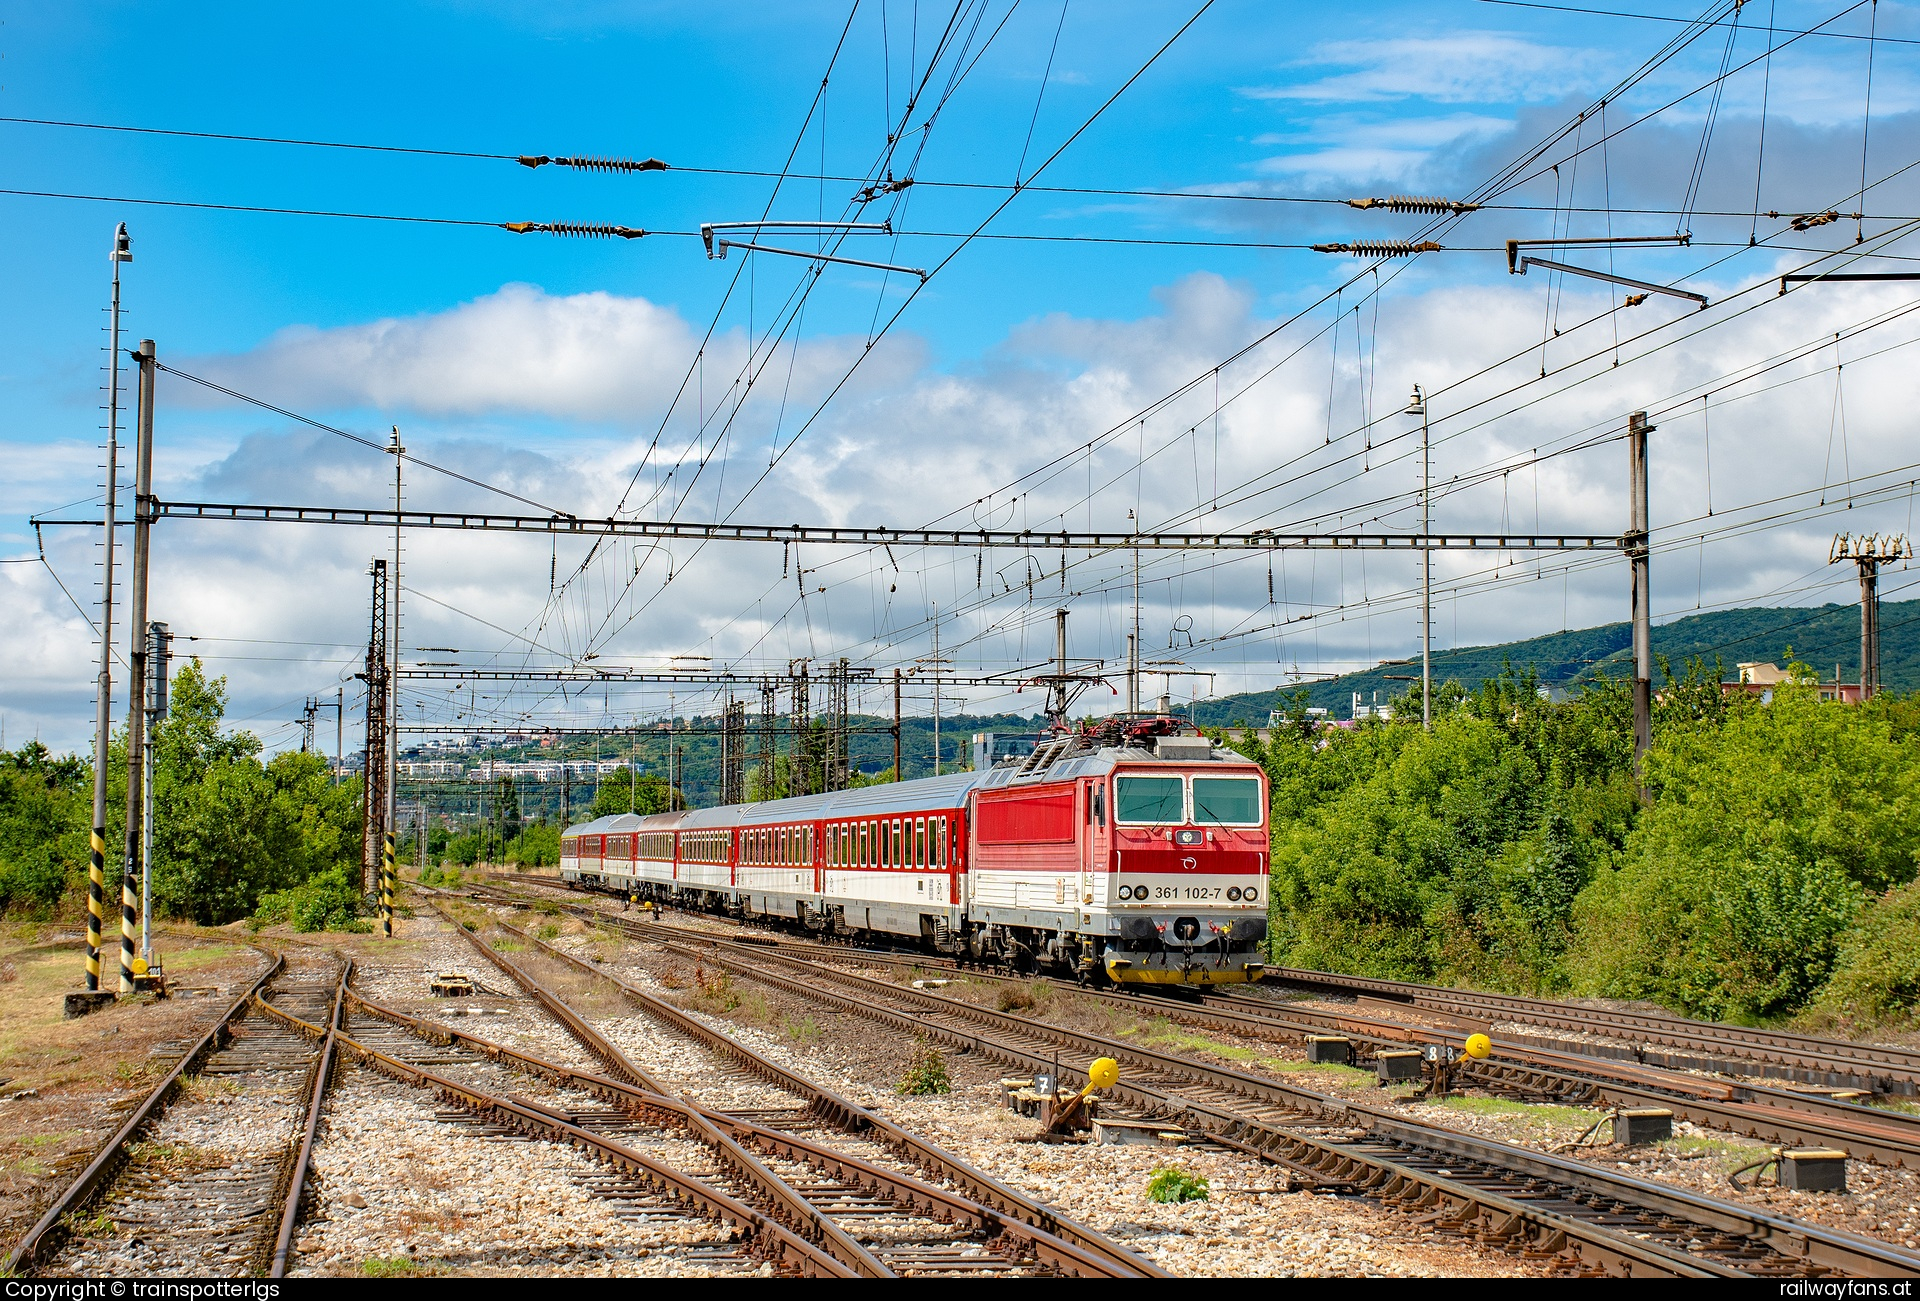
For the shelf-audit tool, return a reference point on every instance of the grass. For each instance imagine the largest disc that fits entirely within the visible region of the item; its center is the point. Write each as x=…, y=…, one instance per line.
x=1725, y=1155
x=397, y=1267
x=138, y=1072
x=174, y=1158
x=755, y=1008
x=1893, y=1104
x=1160, y=1033
x=205, y=1088
x=1037, y=997
x=90, y=1226
x=547, y=931
x=46, y=1140
x=1544, y=1114
x=198, y=956
x=715, y=992
x=803, y=1031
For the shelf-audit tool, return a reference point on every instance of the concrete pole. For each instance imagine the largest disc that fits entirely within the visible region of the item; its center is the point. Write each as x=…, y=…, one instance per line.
x=1133, y=638
x=1869, y=629
x=133, y=865
x=1637, y=542
x=1060, y=665
x=103, y=688
x=391, y=750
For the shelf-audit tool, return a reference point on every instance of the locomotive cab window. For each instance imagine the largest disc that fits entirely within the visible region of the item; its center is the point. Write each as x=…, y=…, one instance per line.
x=1150, y=801
x=1227, y=801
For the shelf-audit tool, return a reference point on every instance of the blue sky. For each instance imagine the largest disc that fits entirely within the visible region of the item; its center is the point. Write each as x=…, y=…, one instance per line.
x=550, y=363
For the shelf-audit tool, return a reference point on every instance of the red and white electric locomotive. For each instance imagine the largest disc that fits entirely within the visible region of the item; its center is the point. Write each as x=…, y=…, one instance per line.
x=1122, y=848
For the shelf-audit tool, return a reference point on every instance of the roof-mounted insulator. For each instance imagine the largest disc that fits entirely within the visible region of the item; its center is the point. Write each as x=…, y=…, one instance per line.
x=1380, y=248
x=586, y=164
x=1415, y=203
x=583, y=229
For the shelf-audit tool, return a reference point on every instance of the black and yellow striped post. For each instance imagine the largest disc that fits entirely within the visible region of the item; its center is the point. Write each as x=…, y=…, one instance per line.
x=129, y=929
x=386, y=886
x=96, y=884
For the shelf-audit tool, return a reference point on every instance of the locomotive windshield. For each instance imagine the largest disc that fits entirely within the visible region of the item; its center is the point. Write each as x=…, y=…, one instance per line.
x=1154, y=800
x=1227, y=801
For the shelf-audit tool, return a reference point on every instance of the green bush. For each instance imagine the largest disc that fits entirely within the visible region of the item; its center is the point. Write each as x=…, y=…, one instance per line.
x=1876, y=981
x=927, y=1072
x=1172, y=1184
x=1765, y=837
x=326, y=902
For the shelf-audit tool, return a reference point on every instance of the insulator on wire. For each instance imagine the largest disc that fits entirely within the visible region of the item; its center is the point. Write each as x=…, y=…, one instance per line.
x=584, y=229
x=878, y=188
x=1380, y=248
x=1415, y=203
x=587, y=164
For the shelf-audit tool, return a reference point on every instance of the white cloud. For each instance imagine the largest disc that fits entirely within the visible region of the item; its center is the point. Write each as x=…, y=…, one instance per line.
x=1345, y=149
x=593, y=356
x=912, y=443
x=1459, y=68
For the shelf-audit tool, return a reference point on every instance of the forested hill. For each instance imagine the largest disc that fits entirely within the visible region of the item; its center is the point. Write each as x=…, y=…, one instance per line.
x=1820, y=635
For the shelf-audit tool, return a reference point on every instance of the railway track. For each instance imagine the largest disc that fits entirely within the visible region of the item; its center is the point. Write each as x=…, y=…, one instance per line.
x=831, y=1170
x=1594, y=1219
x=201, y=1176
x=1654, y=1038
x=645, y=1187
x=1521, y=1066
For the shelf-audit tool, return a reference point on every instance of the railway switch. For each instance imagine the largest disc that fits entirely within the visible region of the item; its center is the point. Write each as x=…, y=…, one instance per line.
x=1633, y=1127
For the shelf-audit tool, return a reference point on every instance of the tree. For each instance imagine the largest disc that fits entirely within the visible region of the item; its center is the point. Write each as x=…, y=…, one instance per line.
x=227, y=828
x=1767, y=834
x=45, y=808
x=506, y=810
x=620, y=792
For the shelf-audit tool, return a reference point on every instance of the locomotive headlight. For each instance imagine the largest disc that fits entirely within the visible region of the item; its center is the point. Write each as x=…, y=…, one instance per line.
x=1126, y=892
x=1233, y=893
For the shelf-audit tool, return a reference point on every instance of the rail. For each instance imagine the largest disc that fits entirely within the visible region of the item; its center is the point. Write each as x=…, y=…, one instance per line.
x=107, y=1161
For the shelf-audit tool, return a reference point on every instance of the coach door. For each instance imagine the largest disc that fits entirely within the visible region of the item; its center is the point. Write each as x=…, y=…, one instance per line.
x=1085, y=847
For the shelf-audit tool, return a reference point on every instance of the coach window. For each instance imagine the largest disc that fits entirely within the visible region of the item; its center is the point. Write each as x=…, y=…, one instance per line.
x=940, y=845
x=920, y=842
